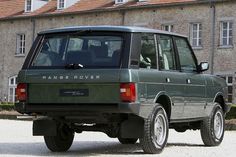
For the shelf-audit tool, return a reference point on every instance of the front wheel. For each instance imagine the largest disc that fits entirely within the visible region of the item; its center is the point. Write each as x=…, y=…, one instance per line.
x=212, y=128
x=156, y=129
x=62, y=141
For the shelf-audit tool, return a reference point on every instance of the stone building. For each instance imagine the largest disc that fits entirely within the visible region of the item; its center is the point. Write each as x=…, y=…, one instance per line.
x=209, y=24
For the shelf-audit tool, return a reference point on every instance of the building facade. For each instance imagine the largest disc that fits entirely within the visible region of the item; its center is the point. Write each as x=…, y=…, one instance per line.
x=209, y=24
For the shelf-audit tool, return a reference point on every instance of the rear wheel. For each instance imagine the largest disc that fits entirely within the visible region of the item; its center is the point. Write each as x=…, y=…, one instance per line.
x=62, y=141
x=127, y=140
x=212, y=128
x=156, y=131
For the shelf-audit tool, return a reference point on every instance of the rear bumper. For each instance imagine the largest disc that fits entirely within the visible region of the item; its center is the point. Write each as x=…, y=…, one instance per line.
x=73, y=109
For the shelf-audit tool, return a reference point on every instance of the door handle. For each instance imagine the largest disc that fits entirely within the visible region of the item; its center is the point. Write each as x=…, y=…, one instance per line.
x=188, y=81
x=168, y=80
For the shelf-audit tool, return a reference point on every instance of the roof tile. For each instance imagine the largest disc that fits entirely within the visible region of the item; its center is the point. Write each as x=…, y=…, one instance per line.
x=10, y=8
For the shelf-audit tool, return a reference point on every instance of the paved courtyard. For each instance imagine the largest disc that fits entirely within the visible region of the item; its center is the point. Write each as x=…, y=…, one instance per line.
x=16, y=140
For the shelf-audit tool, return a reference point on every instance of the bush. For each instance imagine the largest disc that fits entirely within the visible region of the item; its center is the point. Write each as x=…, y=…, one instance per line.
x=232, y=113
x=6, y=106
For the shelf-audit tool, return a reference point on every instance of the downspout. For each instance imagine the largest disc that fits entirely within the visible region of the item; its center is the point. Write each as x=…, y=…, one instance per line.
x=33, y=29
x=123, y=18
x=2, y=95
x=213, y=26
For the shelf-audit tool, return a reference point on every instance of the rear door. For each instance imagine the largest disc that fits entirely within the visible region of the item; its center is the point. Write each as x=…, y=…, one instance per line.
x=150, y=80
x=73, y=86
x=76, y=68
x=172, y=79
x=195, y=85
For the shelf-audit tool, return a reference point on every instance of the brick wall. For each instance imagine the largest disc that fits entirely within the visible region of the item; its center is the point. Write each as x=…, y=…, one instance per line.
x=180, y=17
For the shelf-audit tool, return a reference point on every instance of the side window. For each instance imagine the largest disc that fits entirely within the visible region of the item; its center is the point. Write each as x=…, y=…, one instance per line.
x=186, y=58
x=166, y=53
x=148, y=57
x=75, y=44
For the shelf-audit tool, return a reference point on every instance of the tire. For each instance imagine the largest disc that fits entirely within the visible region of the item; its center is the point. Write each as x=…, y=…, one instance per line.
x=212, y=128
x=62, y=141
x=127, y=140
x=156, y=129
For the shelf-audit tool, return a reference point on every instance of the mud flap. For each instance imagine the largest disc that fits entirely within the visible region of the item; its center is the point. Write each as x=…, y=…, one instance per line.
x=132, y=128
x=44, y=127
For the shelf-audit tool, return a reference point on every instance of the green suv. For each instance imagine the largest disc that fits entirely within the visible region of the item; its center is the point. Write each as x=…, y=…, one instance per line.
x=128, y=82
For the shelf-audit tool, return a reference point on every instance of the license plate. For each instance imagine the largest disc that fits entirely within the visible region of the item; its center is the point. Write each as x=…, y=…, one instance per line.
x=74, y=92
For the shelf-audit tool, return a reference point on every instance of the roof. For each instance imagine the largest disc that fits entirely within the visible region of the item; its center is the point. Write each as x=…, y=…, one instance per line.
x=10, y=9
x=131, y=29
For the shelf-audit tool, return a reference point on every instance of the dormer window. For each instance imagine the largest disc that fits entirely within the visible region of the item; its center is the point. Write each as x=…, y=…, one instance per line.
x=61, y=4
x=32, y=5
x=28, y=6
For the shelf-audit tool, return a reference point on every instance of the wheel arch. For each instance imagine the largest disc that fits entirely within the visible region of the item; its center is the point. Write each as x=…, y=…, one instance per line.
x=165, y=101
x=219, y=98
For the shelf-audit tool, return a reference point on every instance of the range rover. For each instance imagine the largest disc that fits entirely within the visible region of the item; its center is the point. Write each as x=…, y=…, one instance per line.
x=128, y=82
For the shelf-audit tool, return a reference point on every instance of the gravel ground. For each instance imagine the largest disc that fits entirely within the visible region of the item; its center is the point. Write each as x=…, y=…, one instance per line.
x=16, y=140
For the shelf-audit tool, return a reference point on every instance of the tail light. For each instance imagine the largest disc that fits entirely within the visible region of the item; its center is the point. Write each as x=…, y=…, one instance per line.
x=21, y=92
x=127, y=92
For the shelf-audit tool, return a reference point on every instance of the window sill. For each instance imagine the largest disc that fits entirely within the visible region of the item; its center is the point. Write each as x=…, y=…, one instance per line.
x=61, y=9
x=197, y=48
x=19, y=55
x=226, y=47
x=28, y=11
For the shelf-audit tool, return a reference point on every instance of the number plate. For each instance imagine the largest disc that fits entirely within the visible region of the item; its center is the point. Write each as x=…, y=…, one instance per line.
x=74, y=92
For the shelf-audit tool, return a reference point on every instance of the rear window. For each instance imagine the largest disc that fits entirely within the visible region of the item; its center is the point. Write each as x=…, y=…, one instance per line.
x=93, y=51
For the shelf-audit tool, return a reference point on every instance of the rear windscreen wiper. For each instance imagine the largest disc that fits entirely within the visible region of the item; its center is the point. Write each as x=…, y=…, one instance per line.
x=73, y=66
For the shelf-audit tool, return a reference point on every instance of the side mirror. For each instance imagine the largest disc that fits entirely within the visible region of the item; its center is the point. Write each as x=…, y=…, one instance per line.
x=203, y=66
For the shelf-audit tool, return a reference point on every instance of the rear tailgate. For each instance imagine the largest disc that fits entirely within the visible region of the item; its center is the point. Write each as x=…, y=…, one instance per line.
x=72, y=86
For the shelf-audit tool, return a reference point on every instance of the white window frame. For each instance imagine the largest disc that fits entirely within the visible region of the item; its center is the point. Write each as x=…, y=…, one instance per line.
x=228, y=37
x=28, y=4
x=198, y=32
x=170, y=27
x=120, y=1
x=20, y=46
x=11, y=96
x=59, y=2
